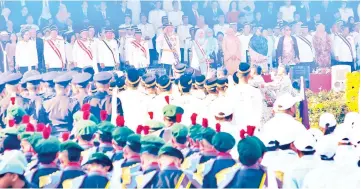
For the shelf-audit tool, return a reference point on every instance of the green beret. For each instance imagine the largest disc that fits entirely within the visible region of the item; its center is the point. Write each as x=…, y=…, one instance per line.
x=25, y=135
x=208, y=134
x=45, y=146
x=120, y=135
x=223, y=142
x=100, y=158
x=195, y=132
x=180, y=133
x=70, y=145
x=86, y=127
x=171, y=151
x=155, y=125
x=106, y=127
x=34, y=139
x=78, y=116
x=249, y=151
x=261, y=144
x=151, y=144
x=172, y=111
x=133, y=142
x=16, y=112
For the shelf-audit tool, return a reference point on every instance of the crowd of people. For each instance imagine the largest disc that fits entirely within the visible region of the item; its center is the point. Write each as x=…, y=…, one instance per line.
x=170, y=94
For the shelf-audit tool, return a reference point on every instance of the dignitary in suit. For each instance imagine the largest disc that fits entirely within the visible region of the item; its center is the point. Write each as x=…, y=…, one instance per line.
x=306, y=49
x=138, y=53
x=213, y=12
x=118, y=13
x=54, y=51
x=84, y=54
x=26, y=56
x=344, y=48
x=148, y=34
x=193, y=14
x=156, y=15
x=108, y=52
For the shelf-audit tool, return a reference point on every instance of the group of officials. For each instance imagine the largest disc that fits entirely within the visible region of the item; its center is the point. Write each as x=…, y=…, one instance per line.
x=127, y=130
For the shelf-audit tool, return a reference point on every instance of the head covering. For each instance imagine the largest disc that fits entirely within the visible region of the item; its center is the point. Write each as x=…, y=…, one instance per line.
x=133, y=142
x=13, y=162
x=180, y=133
x=249, y=151
x=171, y=151
x=151, y=144
x=100, y=158
x=305, y=142
x=120, y=135
x=172, y=111
x=47, y=146
x=327, y=120
x=284, y=102
x=102, y=77
x=223, y=141
x=81, y=79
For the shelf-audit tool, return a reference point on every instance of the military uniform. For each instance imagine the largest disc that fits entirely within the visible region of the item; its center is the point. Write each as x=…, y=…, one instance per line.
x=81, y=80
x=54, y=52
x=84, y=53
x=48, y=79
x=108, y=53
x=36, y=108
x=138, y=53
x=26, y=57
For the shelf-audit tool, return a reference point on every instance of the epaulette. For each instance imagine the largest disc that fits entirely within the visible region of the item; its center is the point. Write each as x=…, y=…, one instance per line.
x=74, y=183
x=143, y=180
x=190, y=163
x=29, y=175
x=50, y=181
x=225, y=176
x=202, y=170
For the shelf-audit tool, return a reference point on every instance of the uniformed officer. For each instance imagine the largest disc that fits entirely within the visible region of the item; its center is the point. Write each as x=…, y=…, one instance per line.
x=150, y=87
x=81, y=82
x=183, y=33
x=105, y=130
x=98, y=167
x=36, y=108
x=150, y=146
x=138, y=52
x=84, y=51
x=223, y=143
x=12, y=169
x=61, y=107
x=54, y=51
x=108, y=52
x=120, y=135
x=164, y=97
x=222, y=86
x=47, y=150
x=179, y=138
x=33, y=141
x=10, y=141
x=148, y=34
x=344, y=48
x=26, y=146
x=209, y=102
x=101, y=100
x=198, y=87
x=305, y=48
x=86, y=130
x=195, y=136
x=69, y=156
x=48, y=85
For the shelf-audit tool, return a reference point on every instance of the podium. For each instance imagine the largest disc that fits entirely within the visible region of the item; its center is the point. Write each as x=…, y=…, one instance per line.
x=320, y=82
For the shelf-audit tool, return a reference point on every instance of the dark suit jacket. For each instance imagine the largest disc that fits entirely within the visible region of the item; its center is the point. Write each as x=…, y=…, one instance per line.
x=192, y=17
x=118, y=16
x=212, y=17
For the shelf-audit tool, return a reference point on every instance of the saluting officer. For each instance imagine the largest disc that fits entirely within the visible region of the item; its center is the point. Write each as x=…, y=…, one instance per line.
x=54, y=51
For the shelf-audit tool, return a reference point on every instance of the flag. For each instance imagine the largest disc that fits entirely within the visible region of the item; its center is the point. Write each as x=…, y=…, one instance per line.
x=304, y=106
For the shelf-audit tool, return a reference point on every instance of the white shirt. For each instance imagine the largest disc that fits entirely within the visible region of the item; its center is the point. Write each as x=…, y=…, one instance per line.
x=147, y=31
x=244, y=45
x=69, y=52
x=287, y=13
x=133, y=107
x=106, y=56
x=84, y=55
x=138, y=55
x=190, y=104
x=51, y=57
x=175, y=17
x=306, y=52
x=168, y=5
x=135, y=7
x=26, y=54
x=345, y=13
x=342, y=50
x=220, y=28
x=183, y=33
x=294, y=177
x=155, y=18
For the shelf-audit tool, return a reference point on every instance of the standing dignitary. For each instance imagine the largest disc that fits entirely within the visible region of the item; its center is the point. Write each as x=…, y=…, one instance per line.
x=183, y=33
x=108, y=52
x=156, y=15
x=26, y=57
x=54, y=51
x=344, y=48
x=138, y=53
x=84, y=53
x=305, y=47
x=232, y=51
x=148, y=33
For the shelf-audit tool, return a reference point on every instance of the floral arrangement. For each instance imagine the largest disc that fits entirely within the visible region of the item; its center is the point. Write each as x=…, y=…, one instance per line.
x=352, y=90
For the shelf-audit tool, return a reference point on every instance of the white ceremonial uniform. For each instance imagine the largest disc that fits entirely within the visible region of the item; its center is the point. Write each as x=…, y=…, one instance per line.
x=190, y=104
x=54, y=52
x=167, y=53
x=133, y=107
x=155, y=18
x=26, y=54
x=108, y=56
x=83, y=54
x=138, y=54
x=94, y=43
x=183, y=33
x=305, y=48
x=248, y=105
x=344, y=48
x=147, y=31
x=209, y=104
x=244, y=45
x=220, y=28
x=122, y=47
x=135, y=6
x=175, y=17
x=294, y=177
x=168, y=5
x=128, y=40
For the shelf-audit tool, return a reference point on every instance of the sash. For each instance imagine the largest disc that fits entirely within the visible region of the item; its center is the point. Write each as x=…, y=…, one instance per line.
x=176, y=57
x=140, y=46
x=110, y=51
x=347, y=43
x=304, y=39
x=56, y=50
x=202, y=51
x=82, y=46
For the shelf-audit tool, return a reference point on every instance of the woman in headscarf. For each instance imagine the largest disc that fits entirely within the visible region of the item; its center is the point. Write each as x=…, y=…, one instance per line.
x=323, y=46
x=287, y=49
x=258, y=50
x=232, y=51
x=211, y=48
x=199, y=57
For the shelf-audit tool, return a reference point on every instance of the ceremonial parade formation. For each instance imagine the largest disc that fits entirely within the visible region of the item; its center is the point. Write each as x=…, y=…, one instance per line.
x=178, y=94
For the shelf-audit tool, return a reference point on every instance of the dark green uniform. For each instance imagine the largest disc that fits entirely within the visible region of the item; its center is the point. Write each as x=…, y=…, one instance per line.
x=56, y=179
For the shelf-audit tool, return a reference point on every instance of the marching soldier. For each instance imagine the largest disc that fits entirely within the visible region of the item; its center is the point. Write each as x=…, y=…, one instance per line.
x=108, y=52
x=26, y=57
x=69, y=156
x=305, y=46
x=150, y=146
x=164, y=97
x=48, y=85
x=84, y=53
x=209, y=102
x=168, y=48
x=61, y=107
x=138, y=53
x=86, y=130
x=98, y=165
x=344, y=48
x=54, y=51
x=150, y=86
